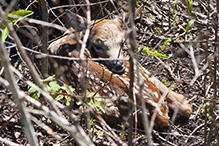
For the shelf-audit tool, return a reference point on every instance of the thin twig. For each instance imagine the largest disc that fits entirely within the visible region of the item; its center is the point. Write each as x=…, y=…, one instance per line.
x=5, y=140
x=45, y=127
x=79, y=5
x=40, y=54
x=17, y=96
x=190, y=135
x=44, y=37
x=132, y=46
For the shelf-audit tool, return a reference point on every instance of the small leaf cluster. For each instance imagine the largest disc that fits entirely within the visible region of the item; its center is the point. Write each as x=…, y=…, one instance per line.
x=123, y=129
x=203, y=113
x=95, y=102
x=14, y=18
x=55, y=89
x=190, y=21
x=189, y=24
x=174, y=10
x=146, y=50
x=189, y=5
x=95, y=132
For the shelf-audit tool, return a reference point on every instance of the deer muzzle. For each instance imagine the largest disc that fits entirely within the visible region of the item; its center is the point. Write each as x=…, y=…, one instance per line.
x=117, y=66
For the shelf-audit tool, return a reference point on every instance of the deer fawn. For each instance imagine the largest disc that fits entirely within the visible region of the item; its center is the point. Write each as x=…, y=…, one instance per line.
x=105, y=40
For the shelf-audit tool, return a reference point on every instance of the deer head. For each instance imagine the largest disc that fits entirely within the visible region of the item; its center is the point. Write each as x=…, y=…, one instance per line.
x=105, y=40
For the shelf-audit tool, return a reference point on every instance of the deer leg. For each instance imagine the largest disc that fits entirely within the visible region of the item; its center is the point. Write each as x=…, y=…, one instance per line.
x=173, y=99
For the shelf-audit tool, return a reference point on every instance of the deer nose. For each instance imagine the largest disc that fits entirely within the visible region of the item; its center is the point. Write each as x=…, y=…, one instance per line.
x=118, y=66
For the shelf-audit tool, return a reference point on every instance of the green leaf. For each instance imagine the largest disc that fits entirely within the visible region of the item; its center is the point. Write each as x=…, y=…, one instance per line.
x=100, y=133
x=180, y=26
x=189, y=5
x=91, y=101
x=50, y=78
x=91, y=94
x=5, y=32
x=97, y=104
x=161, y=55
x=14, y=17
x=18, y=15
x=47, y=87
x=167, y=41
x=68, y=98
x=54, y=86
x=79, y=102
x=164, y=80
x=189, y=24
x=31, y=90
x=68, y=89
x=91, y=121
x=174, y=10
x=35, y=95
x=175, y=4
x=146, y=50
x=59, y=97
x=67, y=102
x=103, y=108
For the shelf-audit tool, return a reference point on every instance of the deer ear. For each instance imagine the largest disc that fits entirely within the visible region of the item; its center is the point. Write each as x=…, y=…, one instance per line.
x=122, y=19
x=76, y=21
x=125, y=16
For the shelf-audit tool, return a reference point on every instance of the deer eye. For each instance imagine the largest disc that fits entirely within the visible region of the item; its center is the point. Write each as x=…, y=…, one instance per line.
x=97, y=46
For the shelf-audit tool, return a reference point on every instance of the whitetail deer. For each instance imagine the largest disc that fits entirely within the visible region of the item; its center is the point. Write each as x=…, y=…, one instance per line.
x=105, y=40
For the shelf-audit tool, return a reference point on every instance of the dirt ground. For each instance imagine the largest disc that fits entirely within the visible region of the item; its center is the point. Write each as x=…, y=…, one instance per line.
x=184, y=72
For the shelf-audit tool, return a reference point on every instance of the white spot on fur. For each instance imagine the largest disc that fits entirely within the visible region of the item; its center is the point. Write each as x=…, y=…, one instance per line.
x=153, y=80
x=137, y=87
x=116, y=75
x=152, y=103
x=126, y=81
x=105, y=91
x=156, y=94
x=109, y=104
x=97, y=79
x=144, y=92
x=146, y=71
x=63, y=40
x=77, y=65
x=135, y=68
x=108, y=88
x=91, y=77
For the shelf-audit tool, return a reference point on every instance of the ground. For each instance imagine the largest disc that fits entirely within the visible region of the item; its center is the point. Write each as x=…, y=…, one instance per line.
x=184, y=72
